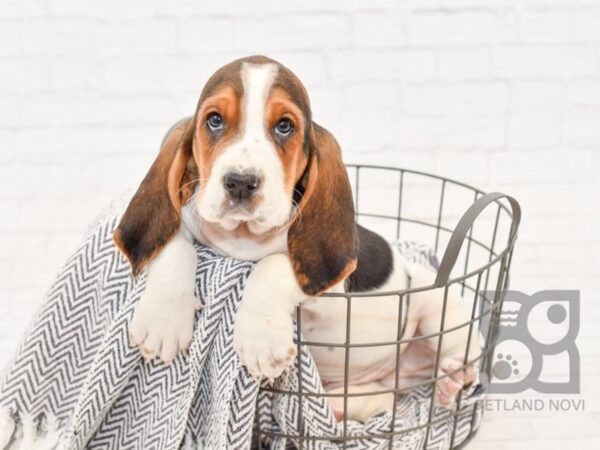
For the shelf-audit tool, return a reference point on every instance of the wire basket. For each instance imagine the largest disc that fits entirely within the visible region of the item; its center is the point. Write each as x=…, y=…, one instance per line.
x=408, y=205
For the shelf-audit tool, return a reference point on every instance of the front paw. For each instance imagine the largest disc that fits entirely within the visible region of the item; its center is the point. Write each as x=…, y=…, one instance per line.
x=163, y=326
x=264, y=343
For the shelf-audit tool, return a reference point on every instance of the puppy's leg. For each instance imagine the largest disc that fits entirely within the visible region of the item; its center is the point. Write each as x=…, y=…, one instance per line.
x=454, y=344
x=263, y=331
x=163, y=320
x=457, y=377
x=416, y=364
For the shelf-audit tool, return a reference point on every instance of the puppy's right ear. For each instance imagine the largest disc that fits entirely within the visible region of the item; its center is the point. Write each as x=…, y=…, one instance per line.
x=153, y=215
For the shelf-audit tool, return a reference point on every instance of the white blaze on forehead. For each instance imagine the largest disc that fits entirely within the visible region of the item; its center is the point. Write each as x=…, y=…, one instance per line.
x=257, y=80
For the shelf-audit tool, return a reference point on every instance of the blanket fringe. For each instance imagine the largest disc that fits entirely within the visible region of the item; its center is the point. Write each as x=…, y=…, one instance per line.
x=187, y=445
x=7, y=428
x=28, y=433
x=52, y=435
x=190, y=444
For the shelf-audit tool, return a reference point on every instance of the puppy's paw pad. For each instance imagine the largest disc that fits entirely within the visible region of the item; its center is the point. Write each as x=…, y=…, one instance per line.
x=505, y=367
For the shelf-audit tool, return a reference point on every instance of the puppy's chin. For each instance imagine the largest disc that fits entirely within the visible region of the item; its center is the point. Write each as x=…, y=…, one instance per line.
x=255, y=226
x=229, y=224
x=232, y=220
x=261, y=220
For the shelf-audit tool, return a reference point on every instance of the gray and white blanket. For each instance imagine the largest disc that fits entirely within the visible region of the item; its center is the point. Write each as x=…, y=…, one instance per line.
x=75, y=382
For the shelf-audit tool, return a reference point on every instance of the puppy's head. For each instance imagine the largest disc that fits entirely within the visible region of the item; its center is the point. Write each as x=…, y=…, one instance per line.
x=258, y=162
x=251, y=143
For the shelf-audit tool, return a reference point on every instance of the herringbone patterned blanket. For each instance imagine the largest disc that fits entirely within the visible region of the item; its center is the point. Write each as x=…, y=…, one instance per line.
x=76, y=383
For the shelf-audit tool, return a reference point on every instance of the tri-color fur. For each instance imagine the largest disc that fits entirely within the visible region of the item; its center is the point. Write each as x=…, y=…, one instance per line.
x=252, y=176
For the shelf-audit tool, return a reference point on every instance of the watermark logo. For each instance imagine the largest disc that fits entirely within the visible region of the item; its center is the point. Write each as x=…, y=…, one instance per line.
x=534, y=404
x=536, y=334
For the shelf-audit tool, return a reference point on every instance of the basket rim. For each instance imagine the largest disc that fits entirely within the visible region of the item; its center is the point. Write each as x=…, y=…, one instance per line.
x=359, y=166
x=415, y=172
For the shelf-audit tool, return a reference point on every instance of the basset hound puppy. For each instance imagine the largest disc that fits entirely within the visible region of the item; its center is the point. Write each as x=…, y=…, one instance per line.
x=253, y=177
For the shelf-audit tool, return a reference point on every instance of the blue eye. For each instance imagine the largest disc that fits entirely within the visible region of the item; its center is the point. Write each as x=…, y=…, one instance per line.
x=215, y=122
x=284, y=127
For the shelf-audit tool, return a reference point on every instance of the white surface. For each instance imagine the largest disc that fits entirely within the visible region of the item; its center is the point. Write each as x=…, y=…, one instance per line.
x=503, y=94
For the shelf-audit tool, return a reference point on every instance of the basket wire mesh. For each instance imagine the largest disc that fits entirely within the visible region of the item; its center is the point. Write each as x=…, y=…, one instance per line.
x=480, y=267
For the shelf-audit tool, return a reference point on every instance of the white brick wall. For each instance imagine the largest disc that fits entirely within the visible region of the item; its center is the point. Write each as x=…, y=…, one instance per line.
x=503, y=94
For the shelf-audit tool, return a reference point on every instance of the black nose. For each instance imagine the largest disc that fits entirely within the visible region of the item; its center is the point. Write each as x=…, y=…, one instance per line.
x=241, y=186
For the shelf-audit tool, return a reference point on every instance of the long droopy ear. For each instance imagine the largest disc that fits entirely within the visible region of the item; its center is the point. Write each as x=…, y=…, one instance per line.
x=322, y=239
x=153, y=215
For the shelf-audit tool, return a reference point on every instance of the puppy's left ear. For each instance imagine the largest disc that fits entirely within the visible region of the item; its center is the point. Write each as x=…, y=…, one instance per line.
x=153, y=215
x=322, y=239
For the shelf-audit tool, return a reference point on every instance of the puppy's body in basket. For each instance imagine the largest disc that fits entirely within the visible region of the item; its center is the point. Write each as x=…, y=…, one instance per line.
x=252, y=176
x=376, y=319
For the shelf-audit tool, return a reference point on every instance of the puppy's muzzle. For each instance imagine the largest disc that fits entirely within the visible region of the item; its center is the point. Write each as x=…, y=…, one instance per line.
x=241, y=186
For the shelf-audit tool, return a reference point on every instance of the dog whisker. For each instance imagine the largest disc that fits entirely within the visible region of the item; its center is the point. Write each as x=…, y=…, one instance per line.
x=194, y=181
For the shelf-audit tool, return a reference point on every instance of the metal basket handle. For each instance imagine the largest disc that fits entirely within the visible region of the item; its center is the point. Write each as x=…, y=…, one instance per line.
x=464, y=225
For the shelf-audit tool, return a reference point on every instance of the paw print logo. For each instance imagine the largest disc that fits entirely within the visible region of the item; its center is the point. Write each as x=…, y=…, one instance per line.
x=534, y=329
x=505, y=367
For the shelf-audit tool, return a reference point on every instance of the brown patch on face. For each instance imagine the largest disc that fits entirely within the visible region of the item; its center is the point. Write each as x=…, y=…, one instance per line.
x=291, y=149
x=208, y=146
